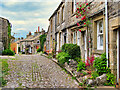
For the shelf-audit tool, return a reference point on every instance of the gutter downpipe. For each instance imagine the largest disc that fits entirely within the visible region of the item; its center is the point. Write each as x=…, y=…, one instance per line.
x=106, y=28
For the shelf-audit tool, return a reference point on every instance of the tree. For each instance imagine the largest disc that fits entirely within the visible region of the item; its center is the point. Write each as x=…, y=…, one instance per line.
x=42, y=41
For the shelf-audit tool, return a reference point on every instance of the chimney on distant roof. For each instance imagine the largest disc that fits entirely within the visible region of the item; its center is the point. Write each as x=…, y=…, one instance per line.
x=18, y=38
x=29, y=33
x=38, y=29
x=21, y=37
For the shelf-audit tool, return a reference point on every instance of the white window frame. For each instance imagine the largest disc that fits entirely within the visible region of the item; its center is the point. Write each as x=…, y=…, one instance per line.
x=74, y=37
x=63, y=10
x=74, y=5
x=99, y=34
x=78, y=37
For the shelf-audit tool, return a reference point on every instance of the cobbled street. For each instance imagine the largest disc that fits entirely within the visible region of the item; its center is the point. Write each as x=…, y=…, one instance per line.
x=36, y=71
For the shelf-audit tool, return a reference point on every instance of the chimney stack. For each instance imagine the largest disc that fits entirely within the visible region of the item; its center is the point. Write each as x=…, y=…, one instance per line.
x=29, y=33
x=18, y=38
x=38, y=29
x=22, y=38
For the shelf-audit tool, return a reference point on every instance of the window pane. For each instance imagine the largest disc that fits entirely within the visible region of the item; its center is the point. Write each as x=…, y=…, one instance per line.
x=101, y=27
x=101, y=40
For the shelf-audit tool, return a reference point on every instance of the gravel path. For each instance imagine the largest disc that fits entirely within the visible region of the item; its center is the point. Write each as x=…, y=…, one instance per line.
x=35, y=71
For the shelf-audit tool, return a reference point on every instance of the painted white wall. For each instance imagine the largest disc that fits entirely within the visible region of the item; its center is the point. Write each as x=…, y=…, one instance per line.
x=17, y=49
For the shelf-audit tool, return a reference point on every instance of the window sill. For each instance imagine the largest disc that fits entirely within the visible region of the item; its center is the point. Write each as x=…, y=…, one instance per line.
x=58, y=25
x=73, y=14
x=98, y=51
x=63, y=21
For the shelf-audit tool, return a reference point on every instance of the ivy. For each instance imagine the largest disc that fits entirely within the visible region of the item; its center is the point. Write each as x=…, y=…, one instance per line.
x=9, y=35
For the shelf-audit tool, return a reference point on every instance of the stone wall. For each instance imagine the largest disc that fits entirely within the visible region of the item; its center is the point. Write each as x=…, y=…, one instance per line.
x=3, y=34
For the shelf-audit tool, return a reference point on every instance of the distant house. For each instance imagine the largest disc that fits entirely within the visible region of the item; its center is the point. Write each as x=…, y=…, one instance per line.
x=28, y=45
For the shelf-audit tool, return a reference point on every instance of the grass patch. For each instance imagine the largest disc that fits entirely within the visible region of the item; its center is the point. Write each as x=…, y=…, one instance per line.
x=3, y=71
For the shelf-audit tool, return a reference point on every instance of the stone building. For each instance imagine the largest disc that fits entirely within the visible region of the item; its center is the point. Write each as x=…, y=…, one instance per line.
x=4, y=40
x=31, y=42
x=92, y=39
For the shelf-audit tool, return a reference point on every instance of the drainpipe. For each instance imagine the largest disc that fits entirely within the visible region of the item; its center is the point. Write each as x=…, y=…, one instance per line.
x=106, y=30
x=118, y=37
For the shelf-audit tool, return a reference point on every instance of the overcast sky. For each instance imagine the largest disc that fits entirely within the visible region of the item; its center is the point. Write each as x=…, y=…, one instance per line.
x=27, y=16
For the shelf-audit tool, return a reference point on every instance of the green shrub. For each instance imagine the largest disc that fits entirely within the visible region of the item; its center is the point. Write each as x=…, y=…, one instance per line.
x=49, y=56
x=78, y=59
x=38, y=50
x=23, y=52
x=63, y=57
x=80, y=84
x=74, y=78
x=94, y=75
x=72, y=49
x=84, y=73
x=110, y=79
x=100, y=64
x=8, y=52
x=80, y=66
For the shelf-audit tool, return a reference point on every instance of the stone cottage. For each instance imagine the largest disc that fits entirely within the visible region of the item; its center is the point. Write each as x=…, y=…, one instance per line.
x=4, y=40
x=92, y=41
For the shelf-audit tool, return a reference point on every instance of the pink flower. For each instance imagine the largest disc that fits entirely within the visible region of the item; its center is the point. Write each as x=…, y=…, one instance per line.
x=77, y=3
x=77, y=8
x=80, y=5
x=87, y=63
x=86, y=3
x=79, y=30
x=84, y=17
x=84, y=10
x=78, y=12
x=76, y=16
x=88, y=7
x=84, y=23
x=89, y=41
x=78, y=24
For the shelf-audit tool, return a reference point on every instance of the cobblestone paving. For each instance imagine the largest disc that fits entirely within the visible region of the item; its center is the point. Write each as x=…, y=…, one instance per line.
x=35, y=71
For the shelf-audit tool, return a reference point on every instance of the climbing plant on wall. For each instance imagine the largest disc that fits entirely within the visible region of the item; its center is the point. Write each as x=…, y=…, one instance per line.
x=82, y=14
x=9, y=35
x=42, y=41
